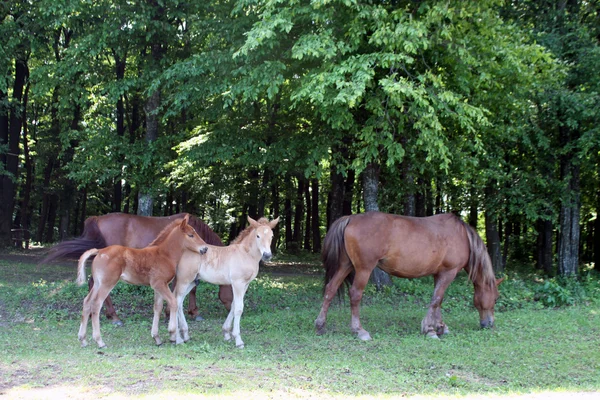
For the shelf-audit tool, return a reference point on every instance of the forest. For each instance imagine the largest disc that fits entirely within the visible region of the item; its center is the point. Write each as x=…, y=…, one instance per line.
x=308, y=110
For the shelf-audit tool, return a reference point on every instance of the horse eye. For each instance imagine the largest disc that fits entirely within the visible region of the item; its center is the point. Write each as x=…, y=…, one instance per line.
x=258, y=236
x=191, y=235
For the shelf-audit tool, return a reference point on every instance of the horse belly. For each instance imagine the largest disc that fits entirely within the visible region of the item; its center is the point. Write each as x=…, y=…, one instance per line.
x=211, y=274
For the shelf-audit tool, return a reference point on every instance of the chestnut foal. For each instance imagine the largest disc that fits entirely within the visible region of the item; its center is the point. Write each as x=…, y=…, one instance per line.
x=153, y=266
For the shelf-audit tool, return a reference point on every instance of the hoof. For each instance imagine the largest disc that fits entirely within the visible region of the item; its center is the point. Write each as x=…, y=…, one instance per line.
x=364, y=335
x=158, y=341
x=320, y=332
x=240, y=346
x=198, y=318
x=116, y=322
x=227, y=336
x=84, y=343
x=432, y=335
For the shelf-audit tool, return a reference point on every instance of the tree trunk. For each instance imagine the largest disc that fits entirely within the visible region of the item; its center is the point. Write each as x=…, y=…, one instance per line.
x=299, y=211
x=370, y=181
x=568, y=243
x=26, y=198
x=276, y=212
x=336, y=196
x=10, y=135
x=493, y=241
x=308, y=216
x=316, y=231
x=120, y=64
x=288, y=211
x=544, y=247
x=348, y=192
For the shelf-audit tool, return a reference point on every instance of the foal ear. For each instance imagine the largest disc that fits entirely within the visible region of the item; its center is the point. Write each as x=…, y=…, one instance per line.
x=185, y=220
x=273, y=223
x=499, y=281
x=252, y=222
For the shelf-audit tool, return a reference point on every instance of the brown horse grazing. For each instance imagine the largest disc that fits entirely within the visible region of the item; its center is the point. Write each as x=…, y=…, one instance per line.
x=407, y=247
x=132, y=231
x=235, y=265
x=153, y=266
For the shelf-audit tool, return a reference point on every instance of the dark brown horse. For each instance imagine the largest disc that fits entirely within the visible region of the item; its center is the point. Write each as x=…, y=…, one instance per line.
x=407, y=247
x=137, y=232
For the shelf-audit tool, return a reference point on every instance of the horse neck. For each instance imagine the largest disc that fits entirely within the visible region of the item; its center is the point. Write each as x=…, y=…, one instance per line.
x=172, y=246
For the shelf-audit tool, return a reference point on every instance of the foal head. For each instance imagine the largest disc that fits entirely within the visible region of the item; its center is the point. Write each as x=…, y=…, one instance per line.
x=263, y=235
x=190, y=238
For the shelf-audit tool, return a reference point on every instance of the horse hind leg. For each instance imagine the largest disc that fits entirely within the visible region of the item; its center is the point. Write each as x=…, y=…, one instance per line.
x=110, y=312
x=330, y=291
x=356, y=293
x=85, y=317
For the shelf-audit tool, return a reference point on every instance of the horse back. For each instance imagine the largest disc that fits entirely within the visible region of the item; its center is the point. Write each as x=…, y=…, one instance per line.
x=132, y=230
x=407, y=247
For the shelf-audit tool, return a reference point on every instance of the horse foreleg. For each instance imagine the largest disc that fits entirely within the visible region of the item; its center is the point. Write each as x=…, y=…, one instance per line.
x=181, y=290
x=330, y=290
x=227, y=325
x=432, y=324
x=356, y=292
x=238, y=310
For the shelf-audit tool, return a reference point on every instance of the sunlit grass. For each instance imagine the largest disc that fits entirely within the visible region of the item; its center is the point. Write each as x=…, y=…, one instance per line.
x=534, y=351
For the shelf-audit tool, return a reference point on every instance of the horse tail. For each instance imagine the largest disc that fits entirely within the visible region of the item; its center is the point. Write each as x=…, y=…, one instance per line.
x=90, y=238
x=480, y=264
x=204, y=231
x=333, y=246
x=81, y=265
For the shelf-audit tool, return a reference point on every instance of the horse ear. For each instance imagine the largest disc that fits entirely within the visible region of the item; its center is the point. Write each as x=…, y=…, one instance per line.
x=185, y=220
x=252, y=222
x=499, y=281
x=273, y=223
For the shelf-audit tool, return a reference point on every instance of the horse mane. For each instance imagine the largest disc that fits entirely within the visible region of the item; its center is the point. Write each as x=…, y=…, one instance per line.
x=480, y=263
x=207, y=234
x=249, y=228
x=162, y=236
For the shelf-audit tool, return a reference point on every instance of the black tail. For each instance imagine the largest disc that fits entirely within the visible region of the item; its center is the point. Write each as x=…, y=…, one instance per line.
x=333, y=246
x=73, y=249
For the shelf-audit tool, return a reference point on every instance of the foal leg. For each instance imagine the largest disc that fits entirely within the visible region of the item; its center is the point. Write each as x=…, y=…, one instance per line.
x=162, y=288
x=238, y=309
x=227, y=325
x=98, y=298
x=330, y=291
x=85, y=317
x=181, y=290
x=109, y=308
x=432, y=324
x=158, y=306
x=356, y=292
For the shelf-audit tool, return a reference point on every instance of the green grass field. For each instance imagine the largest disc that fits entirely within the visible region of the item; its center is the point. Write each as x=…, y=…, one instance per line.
x=534, y=352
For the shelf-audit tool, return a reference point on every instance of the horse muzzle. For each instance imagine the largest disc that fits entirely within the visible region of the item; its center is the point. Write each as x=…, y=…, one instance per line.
x=487, y=323
x=267, y=256
x=202, y=249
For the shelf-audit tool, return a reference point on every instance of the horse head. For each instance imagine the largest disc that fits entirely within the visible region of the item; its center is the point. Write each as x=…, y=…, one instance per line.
x=484, y=300
x=191, y=240
x=263, y=231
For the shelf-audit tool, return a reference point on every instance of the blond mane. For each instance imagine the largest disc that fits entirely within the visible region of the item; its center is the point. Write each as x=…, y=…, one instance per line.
x=246, y=232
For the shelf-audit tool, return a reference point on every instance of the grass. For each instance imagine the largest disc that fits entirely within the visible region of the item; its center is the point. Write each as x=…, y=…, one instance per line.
x=533, y=349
